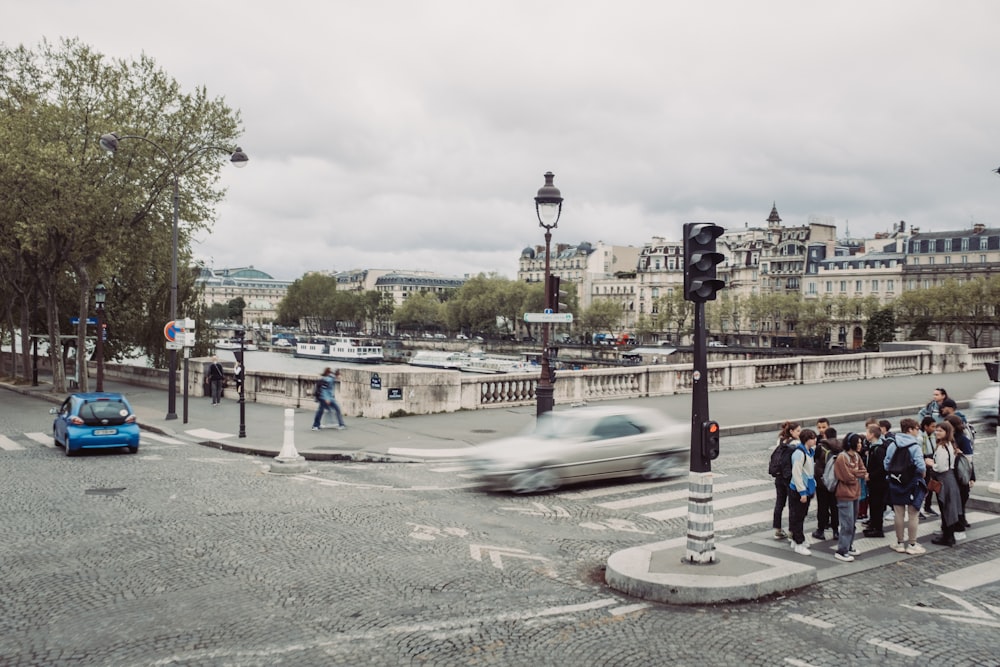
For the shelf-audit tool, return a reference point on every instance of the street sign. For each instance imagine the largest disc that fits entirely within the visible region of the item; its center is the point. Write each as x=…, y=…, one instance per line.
x=76, y=320
x=187, y=338
x=556, y=318
x=175, y=345
x=170, y=332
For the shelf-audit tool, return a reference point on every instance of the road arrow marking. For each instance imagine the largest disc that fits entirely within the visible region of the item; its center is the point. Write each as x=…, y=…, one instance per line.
x=496, y=555
x=539, y=510
x=968, y=614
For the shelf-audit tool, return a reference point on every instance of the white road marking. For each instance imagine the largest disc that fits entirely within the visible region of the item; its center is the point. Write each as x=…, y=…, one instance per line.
x=969, y=577
x=798, y=663
x=677, y=495
x=156, y=437
x=744, y=520
x=428, y=453
x=209, y=434
x=895, y=648
x=496, y=555
x=968, y=614
x=628, y=609
x=450, y=469
x=618, y=490
x=808, y=620
x=677, y=512
x=8, y=444
x=42, y=438
x=539, y=509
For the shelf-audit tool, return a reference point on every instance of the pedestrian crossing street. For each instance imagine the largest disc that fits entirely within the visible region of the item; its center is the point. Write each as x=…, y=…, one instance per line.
x=37, y=440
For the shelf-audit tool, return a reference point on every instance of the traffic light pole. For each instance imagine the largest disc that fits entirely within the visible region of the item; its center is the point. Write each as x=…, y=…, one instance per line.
x=701, y=522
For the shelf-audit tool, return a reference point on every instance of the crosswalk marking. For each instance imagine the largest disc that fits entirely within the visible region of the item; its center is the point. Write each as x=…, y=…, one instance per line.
x=156, y=437
x=41, y=438
x=677, y=512
x=969, y=577
x=677, y=495
x=744, y=520
x=8, y=444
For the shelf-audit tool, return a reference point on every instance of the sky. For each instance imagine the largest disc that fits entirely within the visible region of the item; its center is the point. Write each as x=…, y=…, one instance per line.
x=414, y=134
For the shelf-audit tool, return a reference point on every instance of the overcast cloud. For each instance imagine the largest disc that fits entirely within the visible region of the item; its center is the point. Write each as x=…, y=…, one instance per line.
x=414, y=134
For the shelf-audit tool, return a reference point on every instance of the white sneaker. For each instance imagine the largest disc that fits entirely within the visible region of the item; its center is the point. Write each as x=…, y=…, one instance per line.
x=847, y=558
x=802, y=550
x=915, y=549
x=889, y=515
x=852, y=551
x=960, y=535
x=898, y=547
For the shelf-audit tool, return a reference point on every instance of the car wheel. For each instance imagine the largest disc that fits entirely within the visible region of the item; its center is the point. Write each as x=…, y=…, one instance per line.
x=664, y=467
x=534, y=481
x=69, y=452
x=133, y=450
x=55, y=439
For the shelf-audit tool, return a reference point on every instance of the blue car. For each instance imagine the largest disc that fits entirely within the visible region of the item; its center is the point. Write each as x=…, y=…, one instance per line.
x=95, y=420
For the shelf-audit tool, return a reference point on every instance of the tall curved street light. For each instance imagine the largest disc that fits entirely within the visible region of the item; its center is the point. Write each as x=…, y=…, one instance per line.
x=548, y=208
x=109, y=142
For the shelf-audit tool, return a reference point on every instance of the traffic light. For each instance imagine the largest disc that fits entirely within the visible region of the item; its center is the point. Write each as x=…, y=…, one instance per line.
x=700, y=260
x=710, y=440
x=555, y=294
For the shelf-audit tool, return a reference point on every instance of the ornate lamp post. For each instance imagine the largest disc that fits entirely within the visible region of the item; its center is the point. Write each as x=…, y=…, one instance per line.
x=109, y=142
x=548, y=207
x=100, y=294
x=240, y=374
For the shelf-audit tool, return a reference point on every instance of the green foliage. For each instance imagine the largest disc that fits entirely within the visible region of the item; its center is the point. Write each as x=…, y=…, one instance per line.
x=420, y=311
x=72, y=215
x=881, y=328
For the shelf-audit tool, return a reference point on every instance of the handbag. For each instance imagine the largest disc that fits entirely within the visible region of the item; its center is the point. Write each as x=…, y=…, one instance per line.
x=934, y=485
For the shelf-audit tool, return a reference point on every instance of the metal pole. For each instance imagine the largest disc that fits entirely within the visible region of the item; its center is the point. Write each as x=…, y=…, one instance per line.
x=100, y=347
x=172, y=377
x=242, y=374
x=701, y=524
x=187, y=355
x=543, y=393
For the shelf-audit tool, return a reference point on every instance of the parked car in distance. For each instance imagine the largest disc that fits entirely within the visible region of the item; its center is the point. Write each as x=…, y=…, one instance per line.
x=582, y=445
x=715, y=343
x=95, y=420
x=461, y=336
x=984, y=405
x=282, y=342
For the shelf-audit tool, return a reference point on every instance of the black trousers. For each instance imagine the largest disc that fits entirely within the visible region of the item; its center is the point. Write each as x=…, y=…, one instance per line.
x=780, y=500
x=827, y=515
x=877, y=495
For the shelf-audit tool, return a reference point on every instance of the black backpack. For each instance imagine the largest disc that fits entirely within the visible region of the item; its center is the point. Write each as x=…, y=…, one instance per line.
x=780, y=464
x=901, y=468
x=318, y=390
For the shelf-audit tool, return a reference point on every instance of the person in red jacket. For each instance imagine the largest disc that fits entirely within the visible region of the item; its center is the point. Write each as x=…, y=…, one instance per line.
x=849, y=470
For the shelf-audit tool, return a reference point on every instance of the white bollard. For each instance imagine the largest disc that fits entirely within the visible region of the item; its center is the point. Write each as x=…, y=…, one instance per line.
x=288, y=460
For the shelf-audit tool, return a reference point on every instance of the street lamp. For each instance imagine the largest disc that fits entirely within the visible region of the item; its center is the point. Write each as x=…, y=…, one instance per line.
x=238, y=376
x=548, y=207
x=100, y=294
x=109, y=142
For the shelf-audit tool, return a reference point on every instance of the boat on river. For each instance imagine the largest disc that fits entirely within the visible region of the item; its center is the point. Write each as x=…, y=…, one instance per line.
x=486, y=364
x=233, y=344
x=439, y=359
x=340, y=348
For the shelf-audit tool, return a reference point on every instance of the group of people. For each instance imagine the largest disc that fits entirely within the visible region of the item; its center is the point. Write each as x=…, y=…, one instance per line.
x=874, y=476
x=216, y=378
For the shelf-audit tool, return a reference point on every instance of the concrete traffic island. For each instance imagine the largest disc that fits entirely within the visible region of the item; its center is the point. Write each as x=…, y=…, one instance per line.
x=658, y=572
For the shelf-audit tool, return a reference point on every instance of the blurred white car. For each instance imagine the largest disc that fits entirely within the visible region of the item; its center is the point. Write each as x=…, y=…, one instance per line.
x=984, y=405
x=581, y=445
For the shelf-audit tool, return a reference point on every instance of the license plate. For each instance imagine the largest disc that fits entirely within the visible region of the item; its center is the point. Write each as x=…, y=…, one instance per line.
x=105, y=431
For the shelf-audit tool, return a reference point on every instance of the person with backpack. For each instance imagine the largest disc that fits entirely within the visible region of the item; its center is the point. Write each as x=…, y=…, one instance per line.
x=963, y=447
x=926, y=440
x=949, y=500
x=933, y=409
x=802, y=488
x=324, y=396
x=780, y=468
x=849, y=471
x=878, y=487
x=905, y=468
x=826, y=503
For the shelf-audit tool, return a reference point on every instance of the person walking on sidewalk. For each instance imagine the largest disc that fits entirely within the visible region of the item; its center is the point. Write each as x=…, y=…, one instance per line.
x=327, y=401
x=802, y=489
x=850, y=471
x=927, y=445
x=215, y=378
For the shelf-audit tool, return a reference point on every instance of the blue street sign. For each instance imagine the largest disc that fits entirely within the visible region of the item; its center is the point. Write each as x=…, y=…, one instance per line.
x=76, y=320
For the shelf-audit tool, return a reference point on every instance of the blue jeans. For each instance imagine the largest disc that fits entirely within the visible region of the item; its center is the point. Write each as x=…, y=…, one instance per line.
x=323, y=407
x=847, y=511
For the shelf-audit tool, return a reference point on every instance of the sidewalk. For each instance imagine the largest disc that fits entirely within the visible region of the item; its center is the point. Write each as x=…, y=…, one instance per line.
x=746, y=568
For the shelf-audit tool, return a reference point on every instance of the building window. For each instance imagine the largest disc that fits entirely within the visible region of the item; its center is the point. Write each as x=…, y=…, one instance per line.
x=857, y=285
x=890, y=285
x=916, y=261
x=843, y=285
x=829, y=286
x=982, y=259
x=930, y=261
x=875, y=285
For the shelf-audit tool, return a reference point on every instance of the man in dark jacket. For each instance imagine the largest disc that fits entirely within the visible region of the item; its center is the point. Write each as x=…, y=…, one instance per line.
x=878, y=484
x=215, y=377
x=826, y=502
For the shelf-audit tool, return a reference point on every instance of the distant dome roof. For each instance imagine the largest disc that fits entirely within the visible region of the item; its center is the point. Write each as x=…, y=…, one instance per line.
x=528, y=252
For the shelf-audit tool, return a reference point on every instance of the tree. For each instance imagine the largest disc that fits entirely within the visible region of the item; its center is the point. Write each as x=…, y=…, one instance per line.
x=308, y=303
x=881, y=328
x=603, y=315
x=235, y=309
x=420, y=311
x=71, y=215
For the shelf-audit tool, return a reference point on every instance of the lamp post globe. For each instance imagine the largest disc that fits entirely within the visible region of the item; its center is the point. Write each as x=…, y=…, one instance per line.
x=548, y=208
